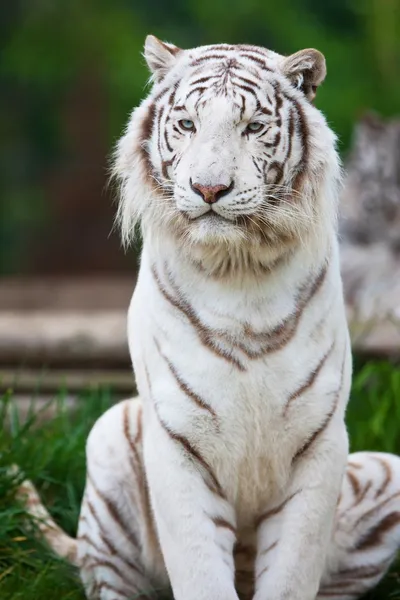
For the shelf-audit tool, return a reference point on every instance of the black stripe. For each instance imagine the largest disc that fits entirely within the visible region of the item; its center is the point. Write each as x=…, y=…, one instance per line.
x=115, y=513
x=274, y=511
x=204, y=333
x=159, y=119
x=200, y=90
x=256, y=59
x=308, y=443
x=145, y=135
x=107, y=542
x=309, y=382
x=186, y=445
x=247, y=81
x=184, y=386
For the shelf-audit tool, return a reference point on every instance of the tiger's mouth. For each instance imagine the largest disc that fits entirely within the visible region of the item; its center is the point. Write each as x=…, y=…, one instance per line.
x=212, y=216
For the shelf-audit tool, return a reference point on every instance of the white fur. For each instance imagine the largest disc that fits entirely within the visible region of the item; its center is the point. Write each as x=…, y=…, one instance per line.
x=116, y=478
x=239, y=343
x=216, y=154
x=251, y=454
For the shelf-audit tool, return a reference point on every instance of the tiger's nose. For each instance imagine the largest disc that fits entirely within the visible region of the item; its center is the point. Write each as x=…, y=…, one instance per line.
x=211, y=193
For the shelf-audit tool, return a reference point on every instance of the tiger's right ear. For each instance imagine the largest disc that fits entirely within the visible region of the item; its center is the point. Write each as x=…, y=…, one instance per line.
x=306, y=70
x=160, y=56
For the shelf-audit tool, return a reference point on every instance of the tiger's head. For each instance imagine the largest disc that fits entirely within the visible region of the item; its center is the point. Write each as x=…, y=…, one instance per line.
x=228, y=150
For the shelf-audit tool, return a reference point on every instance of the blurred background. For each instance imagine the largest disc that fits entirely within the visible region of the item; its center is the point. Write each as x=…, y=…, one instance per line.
x=72, y=70
x=70, y=73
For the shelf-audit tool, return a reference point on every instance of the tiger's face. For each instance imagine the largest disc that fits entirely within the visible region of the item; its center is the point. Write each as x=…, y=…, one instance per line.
x=228, y=148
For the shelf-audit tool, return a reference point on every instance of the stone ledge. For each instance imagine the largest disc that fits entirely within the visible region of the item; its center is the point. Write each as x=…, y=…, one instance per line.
x=51, y=381
x=66, y=293
x=63, y=337
x=380, y=338
x=87, y=340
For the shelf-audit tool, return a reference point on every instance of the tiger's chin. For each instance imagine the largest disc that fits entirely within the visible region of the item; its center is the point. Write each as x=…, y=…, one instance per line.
x=213, y=229
x=222, y=247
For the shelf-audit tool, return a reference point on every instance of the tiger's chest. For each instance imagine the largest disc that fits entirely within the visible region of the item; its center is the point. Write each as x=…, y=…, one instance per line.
x=242, y=388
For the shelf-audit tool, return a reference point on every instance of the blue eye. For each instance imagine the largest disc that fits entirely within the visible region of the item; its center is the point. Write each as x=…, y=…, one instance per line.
x=187, y=124
x=255, y=126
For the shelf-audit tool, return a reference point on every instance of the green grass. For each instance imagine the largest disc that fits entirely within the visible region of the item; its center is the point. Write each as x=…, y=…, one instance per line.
x=52, y=455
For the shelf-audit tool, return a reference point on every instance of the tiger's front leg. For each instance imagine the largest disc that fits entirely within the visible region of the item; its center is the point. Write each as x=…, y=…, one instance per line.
x=195, y=523
x=118, y=553
x=294, y=536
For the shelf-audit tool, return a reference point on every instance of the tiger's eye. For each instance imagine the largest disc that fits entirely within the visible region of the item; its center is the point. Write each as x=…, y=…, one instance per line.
x=255, y=126
x=187, y=124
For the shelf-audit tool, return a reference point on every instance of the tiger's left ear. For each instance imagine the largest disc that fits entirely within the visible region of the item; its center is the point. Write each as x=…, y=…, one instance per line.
x=160, y=56
x=306, y=70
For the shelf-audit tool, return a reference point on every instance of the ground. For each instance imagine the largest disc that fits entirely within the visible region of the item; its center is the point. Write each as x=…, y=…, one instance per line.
x=52, y=455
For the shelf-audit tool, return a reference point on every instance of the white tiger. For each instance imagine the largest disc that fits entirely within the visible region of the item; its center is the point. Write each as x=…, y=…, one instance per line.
x=230, y=476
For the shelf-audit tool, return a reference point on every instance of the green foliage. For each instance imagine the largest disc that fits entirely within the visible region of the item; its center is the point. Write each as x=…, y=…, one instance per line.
x=48, y=44
x=373, y=418
x=51, y=453
x=373, y=413
x=49, y=47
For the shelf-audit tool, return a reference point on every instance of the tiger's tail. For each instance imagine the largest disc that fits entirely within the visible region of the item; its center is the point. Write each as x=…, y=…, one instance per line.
x=61, y=543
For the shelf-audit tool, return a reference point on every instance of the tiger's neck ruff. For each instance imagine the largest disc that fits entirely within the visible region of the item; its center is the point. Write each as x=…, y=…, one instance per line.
x=237, y=328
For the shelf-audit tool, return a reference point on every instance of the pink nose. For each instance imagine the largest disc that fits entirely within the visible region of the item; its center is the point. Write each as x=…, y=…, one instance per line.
x=211, y=193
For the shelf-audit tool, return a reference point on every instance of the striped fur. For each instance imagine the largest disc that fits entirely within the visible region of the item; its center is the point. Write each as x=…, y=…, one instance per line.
x=119, y=555
x=224, y=479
